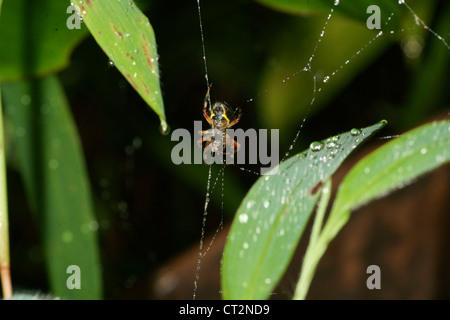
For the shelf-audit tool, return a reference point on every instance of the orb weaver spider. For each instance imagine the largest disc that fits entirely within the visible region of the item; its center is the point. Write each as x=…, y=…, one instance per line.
x=220, y=117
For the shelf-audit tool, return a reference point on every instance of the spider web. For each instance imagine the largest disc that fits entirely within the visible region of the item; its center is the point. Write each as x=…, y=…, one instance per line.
x=319, y=81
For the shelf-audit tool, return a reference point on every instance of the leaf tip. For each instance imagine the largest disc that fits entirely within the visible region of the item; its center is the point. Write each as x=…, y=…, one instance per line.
x=164, y=127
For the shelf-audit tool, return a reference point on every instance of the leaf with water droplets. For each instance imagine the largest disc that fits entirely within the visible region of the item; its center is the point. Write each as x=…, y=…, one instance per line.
x=394, y=165
x=126, y=36
x=274, y=213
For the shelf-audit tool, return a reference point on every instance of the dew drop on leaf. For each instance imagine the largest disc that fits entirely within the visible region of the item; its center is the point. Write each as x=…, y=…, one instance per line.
x=243, y=218
x=355, y=132
x=316, y=146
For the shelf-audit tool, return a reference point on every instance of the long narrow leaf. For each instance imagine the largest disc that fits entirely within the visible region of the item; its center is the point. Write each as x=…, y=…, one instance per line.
x=54, y=174
x=395, y=164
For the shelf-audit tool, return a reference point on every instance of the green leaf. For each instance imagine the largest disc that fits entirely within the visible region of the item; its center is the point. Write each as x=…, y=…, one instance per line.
x=56, y=182
x=34, y=38
x=390, y=167
x=352, y=9
x=393, y=165
x=126, y=36
x=273, y=215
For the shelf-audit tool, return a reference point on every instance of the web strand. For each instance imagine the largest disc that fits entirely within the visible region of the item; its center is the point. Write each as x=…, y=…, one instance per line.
x=202, y=36
x=422, y=23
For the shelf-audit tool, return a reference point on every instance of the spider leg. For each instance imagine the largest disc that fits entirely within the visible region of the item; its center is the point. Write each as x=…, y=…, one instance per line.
x=207, y=151
x=236, y=145
x=205, y=106
x=205, y=136
x=232, y=144
x=236, y=120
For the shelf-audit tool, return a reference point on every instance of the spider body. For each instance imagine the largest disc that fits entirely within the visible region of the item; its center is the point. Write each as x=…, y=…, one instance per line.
x=220, y=117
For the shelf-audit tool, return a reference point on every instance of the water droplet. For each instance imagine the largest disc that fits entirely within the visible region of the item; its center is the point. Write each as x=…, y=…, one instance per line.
x=25, y=99
x=93, y=225
x=366, y=170
x=20, y=132
x=336, y=2
x=137, y=143
x=331, y=145
x=245, y=245
x=164, y=128
x=268, y=281
x=355, y=132
x=111, y=63
x=326, y=79
x=423, y=150
x=316, y=146
x=250, y=204
x=266, y=204
x=243, y=218
x=301, y=156
x=53, y=164
x=67, y=237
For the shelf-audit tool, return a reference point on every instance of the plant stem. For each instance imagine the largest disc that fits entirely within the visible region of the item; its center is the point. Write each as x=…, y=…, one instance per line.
x=316, y=248
x=5, y=274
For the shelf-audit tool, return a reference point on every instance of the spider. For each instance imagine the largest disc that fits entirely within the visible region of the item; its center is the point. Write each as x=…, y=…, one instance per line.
x=220, y=117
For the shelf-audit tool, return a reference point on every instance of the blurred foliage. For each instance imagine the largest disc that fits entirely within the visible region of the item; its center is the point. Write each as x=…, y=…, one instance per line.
x=34, y=38
x=55, y=179
x=149, y=209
